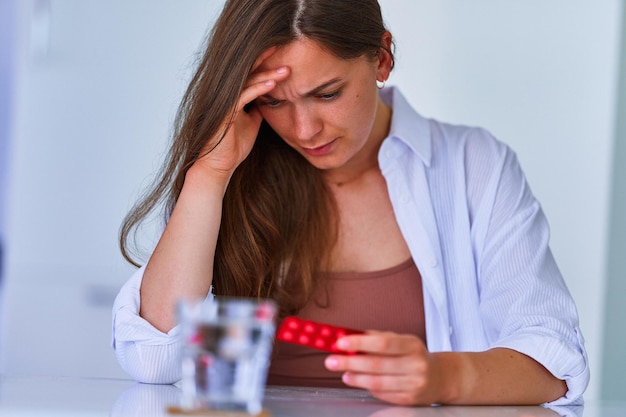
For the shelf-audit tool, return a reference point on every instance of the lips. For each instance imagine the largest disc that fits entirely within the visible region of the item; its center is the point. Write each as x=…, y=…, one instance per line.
x=320, y=150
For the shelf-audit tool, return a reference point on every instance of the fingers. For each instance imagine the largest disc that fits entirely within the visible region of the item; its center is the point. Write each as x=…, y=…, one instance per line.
x=394, y=368
x=273, y=74
x=385, y=343
x=260, y=84
x=377, y=364
x=401, y=390
x=407, y=388
x=389, y=362
x=385, y=383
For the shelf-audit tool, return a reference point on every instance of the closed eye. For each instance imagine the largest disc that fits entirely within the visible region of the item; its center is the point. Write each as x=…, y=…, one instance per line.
x=269, y=102
x=329, y=96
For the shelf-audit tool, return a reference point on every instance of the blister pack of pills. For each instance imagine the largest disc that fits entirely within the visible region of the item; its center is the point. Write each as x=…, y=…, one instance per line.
x=319, y=336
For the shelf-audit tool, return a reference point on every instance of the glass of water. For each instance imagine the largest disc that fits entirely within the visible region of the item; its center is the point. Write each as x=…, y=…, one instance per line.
x=227, y=347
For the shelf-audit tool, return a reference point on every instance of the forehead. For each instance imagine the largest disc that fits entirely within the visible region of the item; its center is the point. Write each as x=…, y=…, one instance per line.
x=310, y=65
x=300, y=52
x=303, y=55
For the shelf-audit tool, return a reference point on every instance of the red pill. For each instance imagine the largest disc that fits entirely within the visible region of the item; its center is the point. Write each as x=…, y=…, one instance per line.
x=325, y=331
x=320, y=343
x=291, y=323
x=287, y=336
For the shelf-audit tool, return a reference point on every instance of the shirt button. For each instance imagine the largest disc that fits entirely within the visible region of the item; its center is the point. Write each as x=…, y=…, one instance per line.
x=388, y=154
x=404, y=199
x=433, y=262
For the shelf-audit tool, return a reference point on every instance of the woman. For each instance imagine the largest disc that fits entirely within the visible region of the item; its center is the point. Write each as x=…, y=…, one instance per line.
x=293, y=177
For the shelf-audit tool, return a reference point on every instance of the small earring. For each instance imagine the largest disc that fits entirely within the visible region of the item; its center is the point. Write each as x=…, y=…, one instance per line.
x=381, y=84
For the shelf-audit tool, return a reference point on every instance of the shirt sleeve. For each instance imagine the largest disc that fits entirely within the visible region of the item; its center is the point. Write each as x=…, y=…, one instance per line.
x=144, y=352
x=525, y=303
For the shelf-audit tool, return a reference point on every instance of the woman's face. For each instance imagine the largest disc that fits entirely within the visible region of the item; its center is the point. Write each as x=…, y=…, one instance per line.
x=328, y=108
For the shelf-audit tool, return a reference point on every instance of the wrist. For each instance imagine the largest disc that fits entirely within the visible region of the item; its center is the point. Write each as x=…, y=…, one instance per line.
x=454, y=377
x=198, y=177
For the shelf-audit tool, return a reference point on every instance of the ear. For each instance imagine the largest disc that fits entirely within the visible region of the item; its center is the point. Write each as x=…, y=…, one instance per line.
x=385, y=58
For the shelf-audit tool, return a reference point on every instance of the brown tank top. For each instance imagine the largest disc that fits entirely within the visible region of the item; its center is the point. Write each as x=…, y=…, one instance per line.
x=387, y=300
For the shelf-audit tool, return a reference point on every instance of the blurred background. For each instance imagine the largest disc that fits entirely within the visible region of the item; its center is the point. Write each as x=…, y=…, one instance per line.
x=88, y=93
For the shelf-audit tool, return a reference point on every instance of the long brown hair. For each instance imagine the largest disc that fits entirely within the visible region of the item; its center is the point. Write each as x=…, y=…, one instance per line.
x=279, y=218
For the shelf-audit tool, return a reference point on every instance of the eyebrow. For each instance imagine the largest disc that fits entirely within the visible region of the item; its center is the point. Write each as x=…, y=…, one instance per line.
x=322, y=87
x=317, y=90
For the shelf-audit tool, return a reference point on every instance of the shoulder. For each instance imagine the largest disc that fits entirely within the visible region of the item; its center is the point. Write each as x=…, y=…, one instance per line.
x=483, y=171
x=435, y=141
x=473, y=159
x=444, y=148
x=476, y=146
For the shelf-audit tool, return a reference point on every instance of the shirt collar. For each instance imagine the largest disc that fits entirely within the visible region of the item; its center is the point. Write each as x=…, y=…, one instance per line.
x=407, y=125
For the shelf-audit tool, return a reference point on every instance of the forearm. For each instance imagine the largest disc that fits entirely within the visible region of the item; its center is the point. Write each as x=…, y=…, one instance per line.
x=181, y=266
x=496, y=376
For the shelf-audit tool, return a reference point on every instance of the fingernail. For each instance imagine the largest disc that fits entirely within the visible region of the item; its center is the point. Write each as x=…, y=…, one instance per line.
x=343, y=344
x=345, y=378
x=281, y=70
x=331, y=363
x=269, y=83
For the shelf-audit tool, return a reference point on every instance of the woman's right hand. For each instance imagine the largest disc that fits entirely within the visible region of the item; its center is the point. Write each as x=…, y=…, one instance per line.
x=221, y=158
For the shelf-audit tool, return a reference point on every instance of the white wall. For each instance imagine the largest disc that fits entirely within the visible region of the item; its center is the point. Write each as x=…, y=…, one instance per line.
x=95, y=112
x=8, y=75
x=99, y=89
x=613, y=358
x=6, y=96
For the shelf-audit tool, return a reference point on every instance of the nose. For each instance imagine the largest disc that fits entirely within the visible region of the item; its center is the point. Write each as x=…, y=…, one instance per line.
x=306, y=123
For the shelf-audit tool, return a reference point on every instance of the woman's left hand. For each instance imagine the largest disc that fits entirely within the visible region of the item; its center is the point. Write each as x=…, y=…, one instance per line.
x=394, y=368
x=399, y=369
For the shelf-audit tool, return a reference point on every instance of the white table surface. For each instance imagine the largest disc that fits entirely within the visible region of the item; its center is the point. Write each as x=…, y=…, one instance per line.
x=87, y=397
